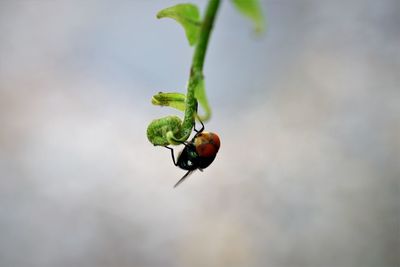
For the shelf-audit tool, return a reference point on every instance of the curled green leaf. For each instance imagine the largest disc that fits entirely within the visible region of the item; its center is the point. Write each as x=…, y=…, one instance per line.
x=171, y=130
x=252, y=10
x=173, y=100
x=164, y=131
x=188, y=16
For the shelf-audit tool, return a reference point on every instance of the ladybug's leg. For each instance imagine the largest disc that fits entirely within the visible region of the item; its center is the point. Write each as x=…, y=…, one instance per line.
x=183, y=178
x=172, y=154
x=202, y=126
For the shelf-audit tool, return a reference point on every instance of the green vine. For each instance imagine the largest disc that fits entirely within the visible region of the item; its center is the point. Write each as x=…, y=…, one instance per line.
x=171, y=130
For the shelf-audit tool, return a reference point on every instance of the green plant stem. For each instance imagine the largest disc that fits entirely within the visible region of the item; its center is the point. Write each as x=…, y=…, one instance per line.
x=196, y=70
x=204, y=35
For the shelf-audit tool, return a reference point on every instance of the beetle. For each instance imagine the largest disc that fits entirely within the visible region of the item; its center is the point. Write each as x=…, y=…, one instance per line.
x=198, y=153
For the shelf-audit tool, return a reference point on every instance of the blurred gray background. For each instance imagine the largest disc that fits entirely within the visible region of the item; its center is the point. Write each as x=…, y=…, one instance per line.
x=308, y=115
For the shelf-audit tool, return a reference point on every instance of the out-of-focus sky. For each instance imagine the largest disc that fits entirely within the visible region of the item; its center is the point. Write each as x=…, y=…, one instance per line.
x=308, y=115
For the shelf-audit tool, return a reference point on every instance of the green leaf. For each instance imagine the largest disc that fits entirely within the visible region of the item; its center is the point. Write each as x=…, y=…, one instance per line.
x=188, y=16
x=252, y=10
x=163, y=132
x=173, y=100
x=200, y=93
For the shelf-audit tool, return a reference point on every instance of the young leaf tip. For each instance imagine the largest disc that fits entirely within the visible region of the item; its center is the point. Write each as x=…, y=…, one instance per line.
x=188, y=15
x=252, y=10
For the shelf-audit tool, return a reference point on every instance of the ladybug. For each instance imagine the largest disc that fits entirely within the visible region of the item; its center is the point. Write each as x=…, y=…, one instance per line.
x=198, y=153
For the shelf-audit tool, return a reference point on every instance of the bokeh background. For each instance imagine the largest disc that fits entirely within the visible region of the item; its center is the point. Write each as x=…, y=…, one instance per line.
x=308, y=115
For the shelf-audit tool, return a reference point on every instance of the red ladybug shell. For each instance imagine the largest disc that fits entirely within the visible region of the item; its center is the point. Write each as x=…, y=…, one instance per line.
x=207, y=144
